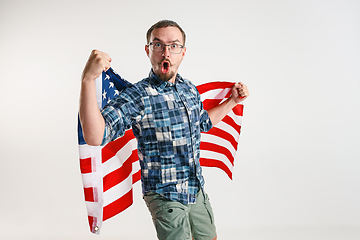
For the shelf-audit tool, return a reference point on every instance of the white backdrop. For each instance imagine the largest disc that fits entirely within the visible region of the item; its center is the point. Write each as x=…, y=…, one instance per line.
x=297, y=170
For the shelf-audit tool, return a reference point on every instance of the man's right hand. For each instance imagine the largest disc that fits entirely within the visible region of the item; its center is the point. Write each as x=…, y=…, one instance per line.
x=96, y=64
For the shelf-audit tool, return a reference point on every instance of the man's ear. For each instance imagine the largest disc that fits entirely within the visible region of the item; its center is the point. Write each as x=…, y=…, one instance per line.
x=183, y=52
x=147, y=50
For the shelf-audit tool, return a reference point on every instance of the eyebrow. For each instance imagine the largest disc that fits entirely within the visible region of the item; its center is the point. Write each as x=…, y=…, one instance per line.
x=156, y=39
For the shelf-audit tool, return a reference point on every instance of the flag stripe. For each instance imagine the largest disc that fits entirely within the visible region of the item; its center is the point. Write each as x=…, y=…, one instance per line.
x=136, y=176
x=92, y=222
x=217, y=156
x=120, y=174
x=116, y=161
x=88, y=180
x=206, y=146
x=89, y=194
x=210, y=162
x=112, y=194
x=238, y=109
x=236, y=118
x=225, y=138
x=111, y=149
x=210, y=103
x=229, y=121
x=118, y=206
x=85, y=165
x=213, y=85
x=232, y=131
x=215, y=94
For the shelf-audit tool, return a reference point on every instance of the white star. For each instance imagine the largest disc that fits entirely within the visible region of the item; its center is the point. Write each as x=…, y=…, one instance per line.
x=116, y=92
x=111, y=84
x=104, y=94
x=108, y=101
x=107, y=77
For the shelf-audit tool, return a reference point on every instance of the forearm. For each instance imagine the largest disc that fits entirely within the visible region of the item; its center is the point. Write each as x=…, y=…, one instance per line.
x=92, y=122
x=217, y=113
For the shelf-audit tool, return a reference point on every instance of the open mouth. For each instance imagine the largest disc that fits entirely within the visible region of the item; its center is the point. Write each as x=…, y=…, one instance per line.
x=165, y=67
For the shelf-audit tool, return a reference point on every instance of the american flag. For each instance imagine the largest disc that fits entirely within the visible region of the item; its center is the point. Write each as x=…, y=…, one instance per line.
x=108, y=172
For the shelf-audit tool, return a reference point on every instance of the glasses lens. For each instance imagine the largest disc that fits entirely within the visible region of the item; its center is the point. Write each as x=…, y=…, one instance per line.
x=175, y=48
x=159, y=47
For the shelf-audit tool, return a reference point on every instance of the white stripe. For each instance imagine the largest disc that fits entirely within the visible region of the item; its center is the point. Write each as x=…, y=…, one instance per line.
x=229, y=129
x=118, y=191
x=135, y=167
x=91, y=206
x=121, y=156
x=237, y=119
x=215, y=94
x=87, y=179
x=216, y=156
x=218, y=141
x=86, y=151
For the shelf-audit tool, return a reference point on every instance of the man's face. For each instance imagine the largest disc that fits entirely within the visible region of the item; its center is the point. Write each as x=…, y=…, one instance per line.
x=165, y=64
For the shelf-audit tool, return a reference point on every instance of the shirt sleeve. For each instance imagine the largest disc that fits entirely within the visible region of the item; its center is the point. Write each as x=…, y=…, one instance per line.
x=205, y=121
x=120, y=113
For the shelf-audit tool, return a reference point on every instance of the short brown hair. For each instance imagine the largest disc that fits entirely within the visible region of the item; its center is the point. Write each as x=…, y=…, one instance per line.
x=163, y=24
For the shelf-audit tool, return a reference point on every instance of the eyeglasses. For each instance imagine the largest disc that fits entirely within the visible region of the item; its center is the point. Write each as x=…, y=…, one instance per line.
x=159, y=47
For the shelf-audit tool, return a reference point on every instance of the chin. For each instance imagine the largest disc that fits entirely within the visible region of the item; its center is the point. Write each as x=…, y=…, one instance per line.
x=165, y=76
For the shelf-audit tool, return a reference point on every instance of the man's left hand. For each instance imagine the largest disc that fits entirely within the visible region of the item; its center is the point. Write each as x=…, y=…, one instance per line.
x=239, y=92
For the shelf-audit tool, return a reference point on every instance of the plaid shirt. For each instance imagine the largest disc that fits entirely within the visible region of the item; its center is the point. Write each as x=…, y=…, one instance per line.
x=167, y=120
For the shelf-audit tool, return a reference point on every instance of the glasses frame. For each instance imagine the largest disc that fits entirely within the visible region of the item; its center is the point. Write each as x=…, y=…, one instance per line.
x=166, y=45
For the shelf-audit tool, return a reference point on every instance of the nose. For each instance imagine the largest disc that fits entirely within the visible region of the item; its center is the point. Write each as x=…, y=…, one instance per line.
x=166, y=51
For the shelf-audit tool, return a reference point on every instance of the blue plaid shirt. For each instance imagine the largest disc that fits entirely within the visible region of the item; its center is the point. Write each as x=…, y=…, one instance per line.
x=167, y=120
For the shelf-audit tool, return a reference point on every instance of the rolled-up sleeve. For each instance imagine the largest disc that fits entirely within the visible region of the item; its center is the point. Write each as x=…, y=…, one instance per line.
x=119, y=115
x=205, y=121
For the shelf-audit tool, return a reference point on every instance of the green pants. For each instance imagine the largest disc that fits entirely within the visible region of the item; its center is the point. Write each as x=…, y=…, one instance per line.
x=177, y=221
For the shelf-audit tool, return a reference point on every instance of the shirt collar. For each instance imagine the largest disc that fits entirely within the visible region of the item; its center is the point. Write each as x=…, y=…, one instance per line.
x=159, y=84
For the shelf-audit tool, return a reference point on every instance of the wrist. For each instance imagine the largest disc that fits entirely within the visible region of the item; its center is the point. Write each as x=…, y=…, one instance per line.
x=87, y=79
x=232, y=102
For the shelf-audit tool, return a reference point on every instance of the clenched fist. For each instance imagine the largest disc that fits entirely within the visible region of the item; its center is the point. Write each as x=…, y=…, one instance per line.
x=239, y=92
x=96, y=64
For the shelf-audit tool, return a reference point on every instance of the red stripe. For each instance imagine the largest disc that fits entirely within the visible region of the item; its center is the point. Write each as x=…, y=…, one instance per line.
x=89, y=194
x=228, y=120
x=210, y=103
x=118, y=175
x=213, y=85
x=92, y=223
x=217, y=148
x=113, y=147
x=85, y=165
x=206, y=162
x=118, y=206
x=238, y=109
x=136, y=176
x=224, y=135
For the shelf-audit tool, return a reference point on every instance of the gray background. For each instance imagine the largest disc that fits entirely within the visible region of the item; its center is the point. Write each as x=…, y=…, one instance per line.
x=297, y=169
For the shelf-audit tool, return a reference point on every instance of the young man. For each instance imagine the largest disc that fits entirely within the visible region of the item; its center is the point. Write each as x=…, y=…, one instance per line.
x=167, y=117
